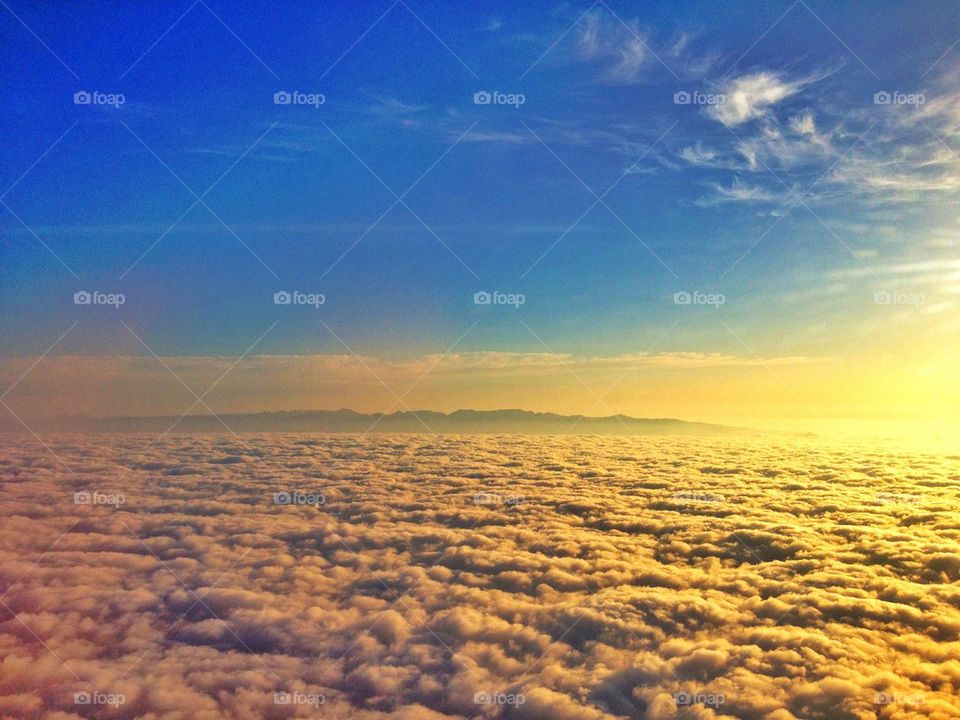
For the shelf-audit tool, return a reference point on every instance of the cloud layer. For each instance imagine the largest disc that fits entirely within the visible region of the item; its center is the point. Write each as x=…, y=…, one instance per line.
x=426, y=577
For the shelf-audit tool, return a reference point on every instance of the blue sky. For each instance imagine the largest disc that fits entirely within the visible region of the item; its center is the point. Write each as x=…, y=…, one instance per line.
x=797, y=198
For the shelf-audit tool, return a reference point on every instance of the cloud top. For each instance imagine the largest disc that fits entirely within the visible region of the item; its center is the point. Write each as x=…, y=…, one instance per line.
x=456, y=577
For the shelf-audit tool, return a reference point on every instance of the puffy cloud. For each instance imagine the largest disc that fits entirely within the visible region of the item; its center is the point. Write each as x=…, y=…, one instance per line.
x=637, y=578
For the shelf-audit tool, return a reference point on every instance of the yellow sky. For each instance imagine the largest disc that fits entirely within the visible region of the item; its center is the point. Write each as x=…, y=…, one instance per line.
x=909, y=390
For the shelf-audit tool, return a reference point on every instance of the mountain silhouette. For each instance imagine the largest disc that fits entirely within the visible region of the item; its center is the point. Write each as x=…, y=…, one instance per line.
x=349, y=421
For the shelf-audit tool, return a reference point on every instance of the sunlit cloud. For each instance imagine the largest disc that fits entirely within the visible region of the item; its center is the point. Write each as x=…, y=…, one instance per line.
x=752, y=96
x=449, y=577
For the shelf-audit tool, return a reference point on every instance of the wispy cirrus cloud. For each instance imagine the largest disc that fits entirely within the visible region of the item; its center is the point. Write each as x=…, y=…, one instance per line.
x=790, y=135
x=752, y=96
x=913, y=153
x=739, y=191
x=628, y=53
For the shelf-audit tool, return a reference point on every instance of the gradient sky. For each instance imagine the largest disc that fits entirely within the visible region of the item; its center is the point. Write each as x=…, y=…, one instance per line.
x=798, y=199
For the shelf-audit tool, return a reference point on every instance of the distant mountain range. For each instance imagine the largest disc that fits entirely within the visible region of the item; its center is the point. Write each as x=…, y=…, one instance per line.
x=513, y=422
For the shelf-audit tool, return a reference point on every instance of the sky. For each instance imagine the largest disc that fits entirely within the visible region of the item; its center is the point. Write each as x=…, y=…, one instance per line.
x=791, y=169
